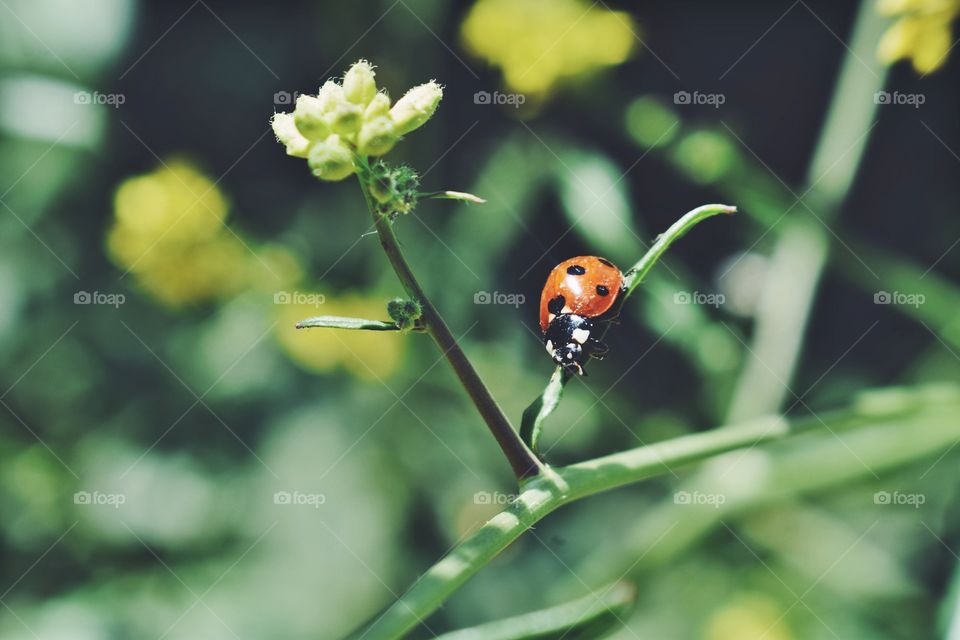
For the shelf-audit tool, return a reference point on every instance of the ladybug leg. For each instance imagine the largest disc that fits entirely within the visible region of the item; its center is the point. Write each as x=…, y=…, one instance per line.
x=596, y=348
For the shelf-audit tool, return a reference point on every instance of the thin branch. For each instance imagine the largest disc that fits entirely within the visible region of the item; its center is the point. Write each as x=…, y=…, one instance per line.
x=525, y=465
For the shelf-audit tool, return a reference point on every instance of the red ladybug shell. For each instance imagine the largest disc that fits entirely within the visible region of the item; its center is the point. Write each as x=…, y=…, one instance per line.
x=589, y=286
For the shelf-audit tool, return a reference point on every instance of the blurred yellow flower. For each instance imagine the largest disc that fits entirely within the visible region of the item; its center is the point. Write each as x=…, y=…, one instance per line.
x=921, y=32
x=169, y=232
x=539, y=43
x=370, y=355
x=748, y=617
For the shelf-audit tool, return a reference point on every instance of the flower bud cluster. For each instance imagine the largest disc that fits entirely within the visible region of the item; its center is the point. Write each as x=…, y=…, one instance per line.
x=351, y=119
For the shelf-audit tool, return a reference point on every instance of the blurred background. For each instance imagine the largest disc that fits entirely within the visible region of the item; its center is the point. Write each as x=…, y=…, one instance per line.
x=179, y=462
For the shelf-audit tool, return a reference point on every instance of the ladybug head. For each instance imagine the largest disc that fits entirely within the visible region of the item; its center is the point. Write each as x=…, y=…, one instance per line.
x=567, y=340
x=570, y=356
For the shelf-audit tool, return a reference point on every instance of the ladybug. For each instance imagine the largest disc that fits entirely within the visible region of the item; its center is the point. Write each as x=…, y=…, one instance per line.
x=577, y=293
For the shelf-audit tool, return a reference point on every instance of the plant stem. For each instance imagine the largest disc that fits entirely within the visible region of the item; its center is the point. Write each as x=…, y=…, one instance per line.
x=801, y=250
x=539, y=498
x=525, y=465
x=894, y=409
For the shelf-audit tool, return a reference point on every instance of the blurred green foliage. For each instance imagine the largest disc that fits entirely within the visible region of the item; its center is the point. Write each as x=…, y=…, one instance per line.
x=179, y=462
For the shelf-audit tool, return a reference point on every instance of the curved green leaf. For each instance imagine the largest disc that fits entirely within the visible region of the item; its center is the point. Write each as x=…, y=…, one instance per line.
x=531, y=425
x=589, y=618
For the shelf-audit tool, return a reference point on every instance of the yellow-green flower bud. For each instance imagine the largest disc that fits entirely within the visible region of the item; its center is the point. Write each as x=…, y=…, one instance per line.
x=330, y=96
x=288, y=135
x=379, y=106
x=308, y=116
x=404, y=313
x=382, y=189
x=415, y=107
x=359, y=86
x=346, y=119
x=376, y=137
x=331, y=159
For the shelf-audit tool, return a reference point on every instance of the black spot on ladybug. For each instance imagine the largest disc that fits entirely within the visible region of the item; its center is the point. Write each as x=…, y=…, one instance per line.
x=556, y=305
x=606, y=262
x=576, y=270
x=602, y=290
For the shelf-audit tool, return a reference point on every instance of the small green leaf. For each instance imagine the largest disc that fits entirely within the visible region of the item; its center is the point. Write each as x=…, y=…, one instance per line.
x=454, y=195
x=635, y=275
x=531, y=425
x=338, y=322
x=589, y=618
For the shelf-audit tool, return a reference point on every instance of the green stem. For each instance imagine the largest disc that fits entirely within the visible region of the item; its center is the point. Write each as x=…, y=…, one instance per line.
x=892, y=408
x=801, y=250
x=542, y=496
x=524, y=464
